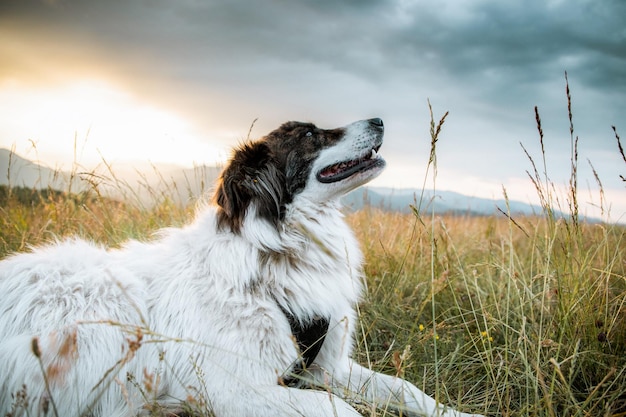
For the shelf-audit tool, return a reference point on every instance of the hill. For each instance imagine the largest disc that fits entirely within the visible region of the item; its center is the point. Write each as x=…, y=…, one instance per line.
x=440, y=202
x=145, y=183
x=16, y=171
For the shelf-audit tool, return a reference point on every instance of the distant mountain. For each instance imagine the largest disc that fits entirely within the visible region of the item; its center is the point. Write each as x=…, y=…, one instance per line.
x=145, y=183
x=20, y=172
x=439, y=202
x=149, y=183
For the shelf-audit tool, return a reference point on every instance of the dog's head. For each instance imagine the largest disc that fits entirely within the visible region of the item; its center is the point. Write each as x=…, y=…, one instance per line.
x=297, y=159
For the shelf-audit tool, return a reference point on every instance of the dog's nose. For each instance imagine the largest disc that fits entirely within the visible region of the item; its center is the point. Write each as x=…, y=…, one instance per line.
x=378, y=122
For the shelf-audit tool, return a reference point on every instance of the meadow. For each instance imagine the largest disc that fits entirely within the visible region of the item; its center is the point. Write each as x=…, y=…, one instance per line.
x=502, y=315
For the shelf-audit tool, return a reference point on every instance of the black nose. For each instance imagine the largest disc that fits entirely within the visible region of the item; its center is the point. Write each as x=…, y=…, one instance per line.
x=378, y=122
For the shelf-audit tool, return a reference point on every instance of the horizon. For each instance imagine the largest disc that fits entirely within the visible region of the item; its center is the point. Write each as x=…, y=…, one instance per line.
x=157, y=179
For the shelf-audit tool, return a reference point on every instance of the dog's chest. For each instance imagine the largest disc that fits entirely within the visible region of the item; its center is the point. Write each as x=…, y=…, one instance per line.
x=309, y=336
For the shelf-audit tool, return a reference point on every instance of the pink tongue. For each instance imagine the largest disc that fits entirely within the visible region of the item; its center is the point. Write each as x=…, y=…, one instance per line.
x=329, y=172
x=333, y=170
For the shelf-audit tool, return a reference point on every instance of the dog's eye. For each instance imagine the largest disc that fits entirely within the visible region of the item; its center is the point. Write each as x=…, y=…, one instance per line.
x=309, y=134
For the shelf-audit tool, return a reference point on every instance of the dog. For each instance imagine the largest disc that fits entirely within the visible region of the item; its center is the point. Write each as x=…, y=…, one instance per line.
x=233, y=314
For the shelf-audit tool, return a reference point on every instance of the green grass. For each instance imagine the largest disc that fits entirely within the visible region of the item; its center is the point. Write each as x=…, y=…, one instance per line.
x=508, y=316
x=528, y=325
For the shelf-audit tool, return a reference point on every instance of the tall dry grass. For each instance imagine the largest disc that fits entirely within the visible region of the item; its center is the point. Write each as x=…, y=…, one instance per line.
x=524, y=324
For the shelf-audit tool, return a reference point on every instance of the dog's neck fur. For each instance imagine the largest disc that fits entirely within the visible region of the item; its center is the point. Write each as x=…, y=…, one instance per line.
x=301, y=223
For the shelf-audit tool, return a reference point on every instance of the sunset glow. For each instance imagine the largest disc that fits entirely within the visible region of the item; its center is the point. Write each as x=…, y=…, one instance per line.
x=101, y=122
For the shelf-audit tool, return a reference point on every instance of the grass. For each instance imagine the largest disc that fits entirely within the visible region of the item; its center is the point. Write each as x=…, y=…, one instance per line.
x=510, y=316
x=526, y=325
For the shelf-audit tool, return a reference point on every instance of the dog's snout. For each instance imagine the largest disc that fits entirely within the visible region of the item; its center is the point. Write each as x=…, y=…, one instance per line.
x=377, y=122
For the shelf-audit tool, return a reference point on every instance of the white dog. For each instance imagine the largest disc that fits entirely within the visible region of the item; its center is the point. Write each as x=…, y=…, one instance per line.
x=233, y=314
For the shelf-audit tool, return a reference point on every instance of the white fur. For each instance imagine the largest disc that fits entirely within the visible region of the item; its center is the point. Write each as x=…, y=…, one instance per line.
x=193, y=314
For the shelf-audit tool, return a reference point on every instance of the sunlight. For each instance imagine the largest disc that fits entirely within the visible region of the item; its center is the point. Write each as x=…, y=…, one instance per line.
x=100, y=121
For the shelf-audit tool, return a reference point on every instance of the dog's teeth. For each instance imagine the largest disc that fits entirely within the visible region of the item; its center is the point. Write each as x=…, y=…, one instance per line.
x=374, y=155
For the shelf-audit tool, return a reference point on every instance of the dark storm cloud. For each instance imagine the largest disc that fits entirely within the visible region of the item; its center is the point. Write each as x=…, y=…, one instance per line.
x=501, y=44
x=497, y=43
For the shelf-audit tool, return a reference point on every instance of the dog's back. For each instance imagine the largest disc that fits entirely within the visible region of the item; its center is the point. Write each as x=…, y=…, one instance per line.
x=55, y=303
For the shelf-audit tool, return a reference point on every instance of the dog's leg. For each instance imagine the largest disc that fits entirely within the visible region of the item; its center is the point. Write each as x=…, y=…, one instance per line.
x=392, y=392
x=280, y=401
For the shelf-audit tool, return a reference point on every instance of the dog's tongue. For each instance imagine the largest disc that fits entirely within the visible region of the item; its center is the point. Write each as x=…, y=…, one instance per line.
x=338, y=168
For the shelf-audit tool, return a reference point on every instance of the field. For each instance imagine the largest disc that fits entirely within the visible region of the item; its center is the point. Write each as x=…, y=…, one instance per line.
x=514, y=319
x=507, y=316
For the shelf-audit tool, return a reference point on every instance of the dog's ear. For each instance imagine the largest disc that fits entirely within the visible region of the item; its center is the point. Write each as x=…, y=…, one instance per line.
x=252, y=177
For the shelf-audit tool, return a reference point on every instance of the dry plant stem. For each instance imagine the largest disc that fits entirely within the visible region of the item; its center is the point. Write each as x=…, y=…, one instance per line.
x=574, y=161
x=620, y=148
x=37, y=352
x=432, y=161
x=602, y=204
x=541, y=186
x=432, y=158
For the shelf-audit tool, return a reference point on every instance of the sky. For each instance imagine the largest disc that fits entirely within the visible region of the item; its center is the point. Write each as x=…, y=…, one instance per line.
x=182, y=82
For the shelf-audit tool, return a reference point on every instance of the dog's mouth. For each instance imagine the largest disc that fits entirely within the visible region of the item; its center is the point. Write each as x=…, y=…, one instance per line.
x=342, y=170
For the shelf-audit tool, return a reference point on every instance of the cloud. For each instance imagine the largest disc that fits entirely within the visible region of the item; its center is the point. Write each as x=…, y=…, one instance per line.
x=492, y=45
